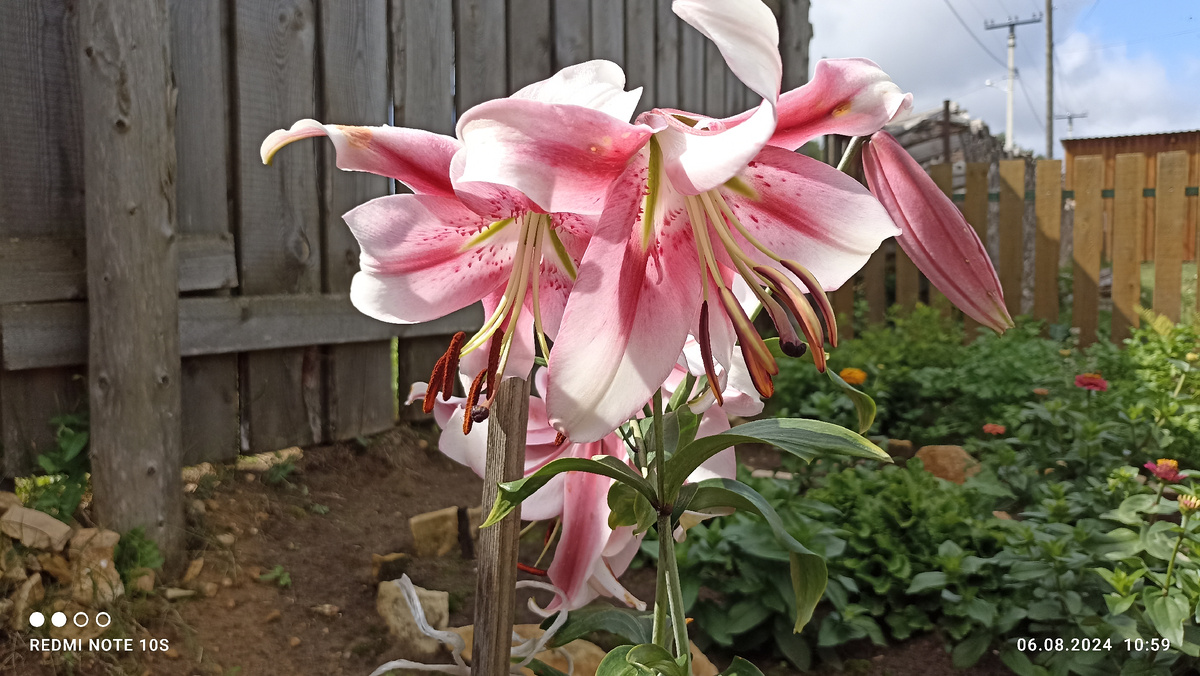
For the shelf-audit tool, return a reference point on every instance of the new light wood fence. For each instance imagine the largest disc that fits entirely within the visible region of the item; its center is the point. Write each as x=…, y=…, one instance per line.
x=1024, y=217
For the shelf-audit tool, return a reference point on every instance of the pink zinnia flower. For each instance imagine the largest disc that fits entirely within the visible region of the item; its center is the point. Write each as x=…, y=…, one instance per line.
x=1165, y=469
x=1091, y=381
x=992, y=428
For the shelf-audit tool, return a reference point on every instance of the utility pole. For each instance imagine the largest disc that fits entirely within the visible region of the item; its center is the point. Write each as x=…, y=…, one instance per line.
x=1070, y=118
x=1011, y=25
x=1049, y=79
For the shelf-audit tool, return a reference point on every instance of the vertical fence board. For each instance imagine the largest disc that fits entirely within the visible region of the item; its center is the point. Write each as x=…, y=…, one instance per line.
x=795, y=32
x=1128, y=222
x=691, y=68
x=41, y=191
x=199, y=61
x=875, y=286
x=481, y=64
x=1048, y=209
x=132, y=263
x=1169, y=215
x=908, y=280
x=572, y=32
x=1088, y=237
x=530, y=41
x=608, y=31
x=975, y=210
x=943, y=177
x=354, y=49
x=640, y=50
x=1012, y=234
x=278, y=211
x=666, y=56
x=714, y=80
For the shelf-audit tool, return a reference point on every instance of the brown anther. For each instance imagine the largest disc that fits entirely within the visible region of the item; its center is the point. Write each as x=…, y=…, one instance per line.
x=451, y=358
x=559, y=439
x=818, y=294
x=710, y=369
x=436, y=379
x=530, y=569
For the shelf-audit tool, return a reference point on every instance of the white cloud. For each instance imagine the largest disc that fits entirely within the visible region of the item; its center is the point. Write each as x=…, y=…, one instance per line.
x=926, y=51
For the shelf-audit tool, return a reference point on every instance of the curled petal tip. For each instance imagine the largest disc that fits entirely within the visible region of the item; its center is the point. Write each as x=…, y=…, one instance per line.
x=281, y=137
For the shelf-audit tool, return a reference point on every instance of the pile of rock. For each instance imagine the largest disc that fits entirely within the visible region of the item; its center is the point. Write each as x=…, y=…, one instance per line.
x=38, y=551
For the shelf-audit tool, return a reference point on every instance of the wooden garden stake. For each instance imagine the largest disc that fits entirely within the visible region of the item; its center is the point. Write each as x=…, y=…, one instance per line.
x=495, y=590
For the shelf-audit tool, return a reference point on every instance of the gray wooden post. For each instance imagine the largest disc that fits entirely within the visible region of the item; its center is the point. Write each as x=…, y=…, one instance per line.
x=495, y=591
x=132, y=268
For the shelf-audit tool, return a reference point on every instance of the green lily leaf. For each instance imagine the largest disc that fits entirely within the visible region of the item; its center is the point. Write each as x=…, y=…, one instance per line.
x=540, y=668
x=740, y=667
x=614, y=663
x=808, y=570
x=679, y=429
x=513, y=493
x=627, y=507
x=803, y=438
x=864, y=405
x=656, y=659
x=629, y=625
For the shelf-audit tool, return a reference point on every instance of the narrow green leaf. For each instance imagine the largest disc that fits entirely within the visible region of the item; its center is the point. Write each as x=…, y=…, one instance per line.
x=803, y=438
x=967, y=653
x=864, y=405
x=808, y=570
x=927, y=581
x=512, y=493
x=741, y=667
x=540, y=668
x=630, y=626
x=679, y=397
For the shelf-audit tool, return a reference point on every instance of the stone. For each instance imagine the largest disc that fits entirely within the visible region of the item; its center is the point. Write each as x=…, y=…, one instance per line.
x=197, y=508
x=6, y=607
x=209, y=589
x=951, y=463
x=142, y=579
x=1003, y=516
x=273, y=616
x=193, y=475
x=389, y=566
x=435, y=533
x=294, y=641
x=261, y=462
x=231, y=604
x=900, y=448
x=584, y=655
x=12, y=566
x=474, y=519
x=227, y=539
x=326, y=609
x=393, y=608
x=69, y=630
x=29, y=593
x=171, y=654
x=193, y=570
x=35, y=529
x=175, y=593
x=763, y=473
x=8, y=500
x=94, y=577
x=56, y=566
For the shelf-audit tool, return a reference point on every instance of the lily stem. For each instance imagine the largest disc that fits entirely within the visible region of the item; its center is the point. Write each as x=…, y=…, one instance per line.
x=670, y=571
x=851, y=152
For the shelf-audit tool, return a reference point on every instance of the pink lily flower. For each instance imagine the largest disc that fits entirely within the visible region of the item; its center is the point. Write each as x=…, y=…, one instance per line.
x=934, y=233
x=458, y=241
x=590, y=555
x=693, y=203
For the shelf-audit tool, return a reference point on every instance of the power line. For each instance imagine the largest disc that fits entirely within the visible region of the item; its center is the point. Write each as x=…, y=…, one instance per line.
x=1029, y=100
x=1088, y=13
x=973, y=36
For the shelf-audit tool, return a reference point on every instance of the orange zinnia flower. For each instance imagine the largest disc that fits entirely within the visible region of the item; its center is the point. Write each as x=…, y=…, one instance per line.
x=853, y=376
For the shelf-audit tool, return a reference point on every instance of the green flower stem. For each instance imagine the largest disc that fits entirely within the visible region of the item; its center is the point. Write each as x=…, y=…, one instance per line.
x=851, y=152
x=1161, y=486
x=670, y=568
x=661, y=608
x=1175, y=553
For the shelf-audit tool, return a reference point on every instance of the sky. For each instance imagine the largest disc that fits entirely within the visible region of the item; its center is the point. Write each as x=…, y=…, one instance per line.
x=1132, y=65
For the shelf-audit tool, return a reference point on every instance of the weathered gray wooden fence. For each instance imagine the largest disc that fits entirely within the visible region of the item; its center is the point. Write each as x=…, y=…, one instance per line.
x=273, y=355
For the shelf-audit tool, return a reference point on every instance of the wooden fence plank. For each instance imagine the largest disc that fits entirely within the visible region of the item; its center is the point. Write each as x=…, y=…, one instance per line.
x=608, y=31
x=279, y=214
x=1127, y=225
x=1048, y=209
x=1088, y=237
x=481, y=64
x=875, y=287
x=1012, y=233
x=975, y=210
x=943, y=177
x=44, y=335
x=530, y=42
x=1170, y=214
x=133, y=331
x=572, y=32
x=714, y=80
x=908, y=280
x=354, y=46
x=423, y=84
x=691, y=68
x=41, y=188
x=640, y=50
x=666, y=57
x=795, y=32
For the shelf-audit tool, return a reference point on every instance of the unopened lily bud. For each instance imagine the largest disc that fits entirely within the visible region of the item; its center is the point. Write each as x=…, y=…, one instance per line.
x=934, y=233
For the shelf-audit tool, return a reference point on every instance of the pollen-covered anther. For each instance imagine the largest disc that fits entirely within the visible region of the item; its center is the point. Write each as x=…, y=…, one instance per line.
x=706, y=356
x=451, y=369
x=759, y=360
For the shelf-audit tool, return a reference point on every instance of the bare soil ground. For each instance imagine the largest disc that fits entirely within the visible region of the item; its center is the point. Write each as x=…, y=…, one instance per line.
x=321, y=524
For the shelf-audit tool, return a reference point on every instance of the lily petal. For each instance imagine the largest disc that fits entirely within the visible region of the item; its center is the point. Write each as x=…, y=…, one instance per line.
x=699, y=159
x=585, y=530
x=810, y=212
x=851, y=97
x=417, y=158
x=596, y=84
x=723, y=465
x=934, y=233
x=424, y=257
x=629, y=313
x=562, y=157
x=747, y=34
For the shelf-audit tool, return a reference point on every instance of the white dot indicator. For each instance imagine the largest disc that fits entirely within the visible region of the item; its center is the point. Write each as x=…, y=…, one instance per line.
x=58, y=619
x=37, y=619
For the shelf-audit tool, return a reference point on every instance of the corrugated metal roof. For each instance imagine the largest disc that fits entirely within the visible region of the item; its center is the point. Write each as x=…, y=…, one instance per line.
x=1157, y=133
